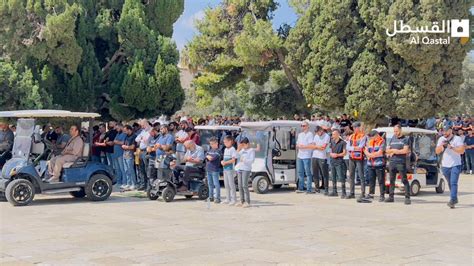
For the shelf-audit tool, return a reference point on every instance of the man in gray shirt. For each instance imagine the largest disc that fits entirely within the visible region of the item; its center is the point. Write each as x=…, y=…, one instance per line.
x=6, y=142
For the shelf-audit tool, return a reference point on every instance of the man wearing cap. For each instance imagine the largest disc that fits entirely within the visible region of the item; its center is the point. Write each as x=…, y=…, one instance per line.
x=319, y=159
x=398, y=149
x=355, y=148
x=450, y=147
x=303, y=162
x=6, y=142
x=374, y=151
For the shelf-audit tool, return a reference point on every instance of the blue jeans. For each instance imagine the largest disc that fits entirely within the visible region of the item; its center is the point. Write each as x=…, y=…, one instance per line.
x=119, y=170
x=452, y=176
x=304, y=168
x=110, y=160
x=129, y=171
x=213, y=182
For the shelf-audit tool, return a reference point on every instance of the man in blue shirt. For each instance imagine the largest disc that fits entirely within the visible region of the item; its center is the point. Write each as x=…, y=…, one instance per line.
x=469, y=142
x=117, y=156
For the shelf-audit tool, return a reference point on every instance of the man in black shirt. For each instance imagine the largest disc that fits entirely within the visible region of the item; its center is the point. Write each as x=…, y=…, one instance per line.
x=338, y=169
x=397, y=151
x=109, y=142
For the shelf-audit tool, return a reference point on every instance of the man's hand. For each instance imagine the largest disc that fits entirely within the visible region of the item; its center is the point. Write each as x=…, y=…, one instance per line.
x=333, y=155
x=125, y=147
x=209, y=158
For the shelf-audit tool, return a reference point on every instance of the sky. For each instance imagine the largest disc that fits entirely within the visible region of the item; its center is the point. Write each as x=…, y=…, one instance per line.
x=184, y=29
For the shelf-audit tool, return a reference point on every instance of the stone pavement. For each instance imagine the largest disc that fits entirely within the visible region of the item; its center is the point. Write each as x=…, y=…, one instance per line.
x=281, y=227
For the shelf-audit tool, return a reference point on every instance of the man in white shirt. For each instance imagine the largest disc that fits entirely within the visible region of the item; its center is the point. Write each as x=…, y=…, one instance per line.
x=319, y=159
x=451, y=147
x=303, y=162
x=142, y=143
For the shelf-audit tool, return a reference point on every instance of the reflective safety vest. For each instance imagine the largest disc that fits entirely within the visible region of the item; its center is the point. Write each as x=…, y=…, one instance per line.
x=375, y=145
x=355, y=141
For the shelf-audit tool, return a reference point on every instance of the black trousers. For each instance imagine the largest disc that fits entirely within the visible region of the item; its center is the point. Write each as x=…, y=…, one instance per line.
x=377, y=173
x=320, y=172
x=400, y=168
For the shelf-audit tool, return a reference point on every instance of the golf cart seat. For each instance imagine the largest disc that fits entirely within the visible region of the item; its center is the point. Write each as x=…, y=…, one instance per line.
x=81, y=161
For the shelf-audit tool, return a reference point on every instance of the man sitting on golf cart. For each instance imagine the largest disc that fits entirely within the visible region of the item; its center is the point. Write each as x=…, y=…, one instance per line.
x=6, y=142
x=193, y=158
x=72, y=151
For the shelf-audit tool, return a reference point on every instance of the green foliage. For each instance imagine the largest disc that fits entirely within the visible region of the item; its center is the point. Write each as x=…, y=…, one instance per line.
x=19, y=90
x=345, y=60
x=80, y=50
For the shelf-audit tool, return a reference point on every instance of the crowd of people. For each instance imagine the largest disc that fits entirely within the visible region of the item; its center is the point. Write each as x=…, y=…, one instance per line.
x=337, y=150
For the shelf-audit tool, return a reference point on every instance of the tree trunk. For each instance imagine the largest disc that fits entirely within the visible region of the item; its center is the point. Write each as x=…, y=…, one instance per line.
x=291, y=78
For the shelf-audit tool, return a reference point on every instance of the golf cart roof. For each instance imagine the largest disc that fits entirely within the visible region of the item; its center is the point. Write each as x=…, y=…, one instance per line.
x=406, y=130
x=218, y=127
x=269, y=125
x=46, y=113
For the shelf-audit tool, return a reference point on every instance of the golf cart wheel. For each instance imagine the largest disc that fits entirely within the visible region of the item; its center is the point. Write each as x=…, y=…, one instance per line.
x=203, y=192
x=150, y=195
x=260, y=184
x=99, y=187
x=188, y=196
x=415, y=188
x=168, y=194
x=2, y=197
x=78, y=194
x=277, y=186
x=20, y=192
x=440, y=187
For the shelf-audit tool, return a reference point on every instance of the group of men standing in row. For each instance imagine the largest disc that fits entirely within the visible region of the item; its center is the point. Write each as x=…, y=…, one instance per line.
x=372, y=149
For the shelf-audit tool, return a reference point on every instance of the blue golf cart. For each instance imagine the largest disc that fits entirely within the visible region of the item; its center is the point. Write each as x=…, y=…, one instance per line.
x=22, y=176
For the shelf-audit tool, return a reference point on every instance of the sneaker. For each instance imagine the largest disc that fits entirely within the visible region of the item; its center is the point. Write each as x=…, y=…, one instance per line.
x=326, y=193
x=370, y=196
x=407, y=201
x=360, y=199
x=211, y=199
x=381, y=199
x=350, y=196
x=343, y=196
x=299, y=191
x=389, y=199
x=225, y=202
x=238, y=205
x=333, y=194
x=123, y=186
x=317, y=190
x=455, y=201
x=451, y=204
x=246, y=205
x=310, y=192
x=232, y=203
x=217, y=201
x=132, y=187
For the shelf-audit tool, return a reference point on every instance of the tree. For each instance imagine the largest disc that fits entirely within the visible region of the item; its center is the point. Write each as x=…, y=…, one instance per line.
x=235, y=44
x=82, y=51
x=345, y=60
x=19, y=90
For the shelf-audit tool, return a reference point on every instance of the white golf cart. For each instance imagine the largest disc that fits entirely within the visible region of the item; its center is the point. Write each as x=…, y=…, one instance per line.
x=218, y=131
x=275, y=152
x=422, y=164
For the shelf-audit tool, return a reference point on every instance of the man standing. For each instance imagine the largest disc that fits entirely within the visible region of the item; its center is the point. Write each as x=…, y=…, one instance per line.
x=6, y=142
x=163, y=143
x=319, y=159
x=117, y=156
x=151, y=150
x=303, y=162
x=376, y=163
x=181, y=136
x=450, y=147
x=469, y=142
x=129, y=148
x=71, y=152
x=109, y=143
x=398, y=150
x=355, y=147
x=338, y=169
x=142, y=143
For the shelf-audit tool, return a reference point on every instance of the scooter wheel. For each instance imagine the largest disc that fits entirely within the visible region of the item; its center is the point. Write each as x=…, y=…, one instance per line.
x=168, y=194
x=151, y=196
